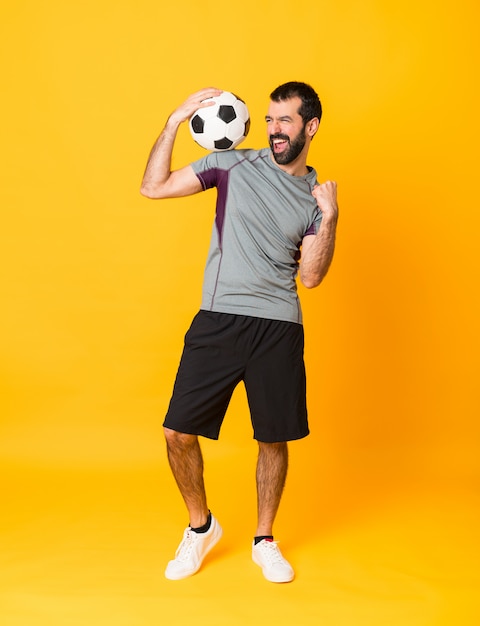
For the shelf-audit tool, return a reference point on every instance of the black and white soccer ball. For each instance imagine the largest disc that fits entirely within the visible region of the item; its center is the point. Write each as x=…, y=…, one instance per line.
x=223, y=125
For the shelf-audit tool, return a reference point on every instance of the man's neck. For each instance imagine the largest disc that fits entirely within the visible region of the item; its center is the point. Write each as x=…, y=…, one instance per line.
x=298, y=167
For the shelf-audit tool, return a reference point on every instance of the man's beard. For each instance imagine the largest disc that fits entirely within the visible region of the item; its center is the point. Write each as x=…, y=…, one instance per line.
x=292, y=151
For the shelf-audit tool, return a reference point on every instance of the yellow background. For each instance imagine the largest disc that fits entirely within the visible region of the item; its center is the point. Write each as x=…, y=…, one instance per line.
x=380, y=514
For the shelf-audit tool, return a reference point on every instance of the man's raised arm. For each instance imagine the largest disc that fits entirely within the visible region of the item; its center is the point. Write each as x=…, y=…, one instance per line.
x=159, y=181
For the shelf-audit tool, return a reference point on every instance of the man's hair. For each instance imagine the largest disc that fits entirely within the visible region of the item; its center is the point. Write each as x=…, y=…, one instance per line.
x=311, y=106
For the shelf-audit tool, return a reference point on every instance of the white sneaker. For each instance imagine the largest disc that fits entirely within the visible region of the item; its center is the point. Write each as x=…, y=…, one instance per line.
x=192, y=550
x=275, y=568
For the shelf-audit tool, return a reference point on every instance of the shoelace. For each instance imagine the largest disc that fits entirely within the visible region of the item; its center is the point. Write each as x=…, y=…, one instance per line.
x=271, y=551
x=185, y=548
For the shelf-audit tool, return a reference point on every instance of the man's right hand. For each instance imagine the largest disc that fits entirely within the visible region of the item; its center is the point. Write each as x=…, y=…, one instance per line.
x=198, y=100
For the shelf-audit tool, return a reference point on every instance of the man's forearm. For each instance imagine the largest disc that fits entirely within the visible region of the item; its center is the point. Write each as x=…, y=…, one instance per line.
x=318, y=258
x=159, y=162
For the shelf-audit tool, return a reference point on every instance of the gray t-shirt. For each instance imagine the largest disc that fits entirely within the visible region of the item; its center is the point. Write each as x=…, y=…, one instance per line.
x=262, y=215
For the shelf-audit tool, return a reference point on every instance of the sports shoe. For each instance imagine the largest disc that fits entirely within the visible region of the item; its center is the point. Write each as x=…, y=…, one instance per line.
x=275, y=568
x=192, y=550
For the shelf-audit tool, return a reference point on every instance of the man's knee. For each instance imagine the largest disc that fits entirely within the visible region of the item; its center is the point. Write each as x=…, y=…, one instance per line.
x=280, y=447
x=176, y=439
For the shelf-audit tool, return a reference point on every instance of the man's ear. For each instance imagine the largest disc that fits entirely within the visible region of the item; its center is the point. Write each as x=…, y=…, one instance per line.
x=312, y=126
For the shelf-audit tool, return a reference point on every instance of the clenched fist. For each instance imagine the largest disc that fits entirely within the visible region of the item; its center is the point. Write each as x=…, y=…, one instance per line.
x=326, y=196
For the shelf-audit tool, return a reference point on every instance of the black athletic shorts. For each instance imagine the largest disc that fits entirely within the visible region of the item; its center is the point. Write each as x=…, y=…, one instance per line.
x=222, y=349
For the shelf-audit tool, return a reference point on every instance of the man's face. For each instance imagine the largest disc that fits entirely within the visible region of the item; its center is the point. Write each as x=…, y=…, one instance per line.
x=286, y=130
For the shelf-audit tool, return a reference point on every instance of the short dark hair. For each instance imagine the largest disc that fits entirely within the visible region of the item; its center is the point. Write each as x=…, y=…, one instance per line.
x=311, y=106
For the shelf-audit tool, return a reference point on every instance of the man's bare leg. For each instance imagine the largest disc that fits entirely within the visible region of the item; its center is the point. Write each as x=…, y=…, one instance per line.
x=186, y=461
x=272, y=467
x=271, y=474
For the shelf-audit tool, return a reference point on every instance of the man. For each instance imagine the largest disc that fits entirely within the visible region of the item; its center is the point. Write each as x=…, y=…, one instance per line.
x=269, y=207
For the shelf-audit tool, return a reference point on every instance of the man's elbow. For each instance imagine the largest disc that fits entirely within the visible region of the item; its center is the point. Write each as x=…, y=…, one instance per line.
x=153, y=193
x=310, y=279
x=146, y=193
x=310, y=282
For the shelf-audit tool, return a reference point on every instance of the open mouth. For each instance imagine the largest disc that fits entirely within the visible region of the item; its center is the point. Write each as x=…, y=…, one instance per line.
x=279, y=144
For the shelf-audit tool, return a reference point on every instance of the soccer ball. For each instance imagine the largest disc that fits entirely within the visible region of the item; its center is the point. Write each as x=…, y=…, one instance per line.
x=221, y=126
